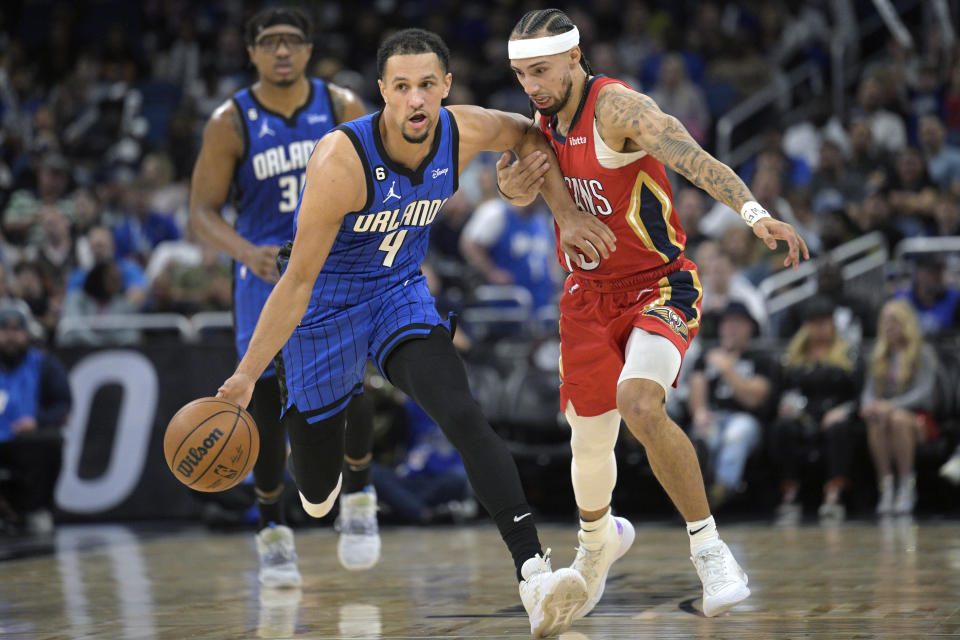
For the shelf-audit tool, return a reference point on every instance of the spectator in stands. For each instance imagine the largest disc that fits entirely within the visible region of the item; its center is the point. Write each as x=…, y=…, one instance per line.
x=511, y=245
x=833, y=186
x=889, y=131
x=690, y=206
x=943, y=160
x=738, y=243
x=722, y=285
x=101, y=246
x=166, y=197
x=912, y=194
x=867, y=162
x=681, y=98
x=31, y=287
x=55, y=254
x=140, y=229
x=925, y=93
x=102, y=294
x=854, y=317
x=187, y=278
x=34, y=402
x=817, y=411
x=936, y=303
x=895, y=404
x=22, y=214
x=729, y=391
x=874, y=214
x=948, y=215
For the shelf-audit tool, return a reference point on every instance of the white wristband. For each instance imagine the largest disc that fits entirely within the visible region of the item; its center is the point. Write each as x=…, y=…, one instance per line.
x=752, y=211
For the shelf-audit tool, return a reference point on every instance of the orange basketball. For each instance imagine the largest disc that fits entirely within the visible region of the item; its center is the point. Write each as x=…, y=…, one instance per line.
x=211, y=444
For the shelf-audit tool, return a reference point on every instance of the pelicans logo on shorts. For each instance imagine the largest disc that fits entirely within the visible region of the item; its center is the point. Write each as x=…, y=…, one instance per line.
x=671, y=317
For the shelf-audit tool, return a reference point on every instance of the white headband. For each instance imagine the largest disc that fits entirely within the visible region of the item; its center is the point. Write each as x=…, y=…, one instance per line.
x=546, y=46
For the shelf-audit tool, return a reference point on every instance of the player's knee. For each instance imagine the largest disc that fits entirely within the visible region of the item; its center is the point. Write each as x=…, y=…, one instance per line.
x=641, y=403
x=593, y=438
x=901, y=420
x=318, y=502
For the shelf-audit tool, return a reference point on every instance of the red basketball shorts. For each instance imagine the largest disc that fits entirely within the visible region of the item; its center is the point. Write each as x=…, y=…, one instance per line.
x=596, y=318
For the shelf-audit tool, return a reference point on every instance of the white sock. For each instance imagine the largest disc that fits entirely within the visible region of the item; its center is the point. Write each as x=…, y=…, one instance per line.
x=595, y=531
x=703, y=534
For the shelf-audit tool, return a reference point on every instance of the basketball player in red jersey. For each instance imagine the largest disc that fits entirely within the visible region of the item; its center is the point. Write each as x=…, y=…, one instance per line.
x=626, y=320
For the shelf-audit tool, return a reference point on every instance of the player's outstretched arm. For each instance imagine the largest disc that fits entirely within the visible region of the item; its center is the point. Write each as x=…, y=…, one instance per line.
x=636, y=122
x=491, y=130
x=222, y=148
x=335, y=185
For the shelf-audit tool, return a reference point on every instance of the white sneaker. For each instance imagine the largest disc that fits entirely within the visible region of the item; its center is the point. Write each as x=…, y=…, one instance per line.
x=832, y=512
x=724, y=582
x=950, y=470
x=906, y=496
x=359, y=545
x=551, y=598
x=885, y=504
x=593, y=561
x=278, y=557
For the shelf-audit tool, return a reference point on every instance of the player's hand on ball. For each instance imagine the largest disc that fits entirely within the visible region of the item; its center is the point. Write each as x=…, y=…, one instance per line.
x=237, y=388
x=263, y=262
x=520, y=181
x=770, y=230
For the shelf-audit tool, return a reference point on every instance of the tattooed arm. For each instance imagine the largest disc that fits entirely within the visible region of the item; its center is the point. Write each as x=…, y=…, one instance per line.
x=630, y=121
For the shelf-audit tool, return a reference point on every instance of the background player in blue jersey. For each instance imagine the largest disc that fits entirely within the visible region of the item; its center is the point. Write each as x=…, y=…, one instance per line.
x=258, y=144
x=352, y=290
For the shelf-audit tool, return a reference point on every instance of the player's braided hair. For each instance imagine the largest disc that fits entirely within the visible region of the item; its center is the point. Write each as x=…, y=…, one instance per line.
x=412, y=41
x=546, y=22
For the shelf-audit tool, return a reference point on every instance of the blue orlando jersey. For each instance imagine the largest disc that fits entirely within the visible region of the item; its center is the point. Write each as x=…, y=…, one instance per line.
x=267, y=185
x=384, y=244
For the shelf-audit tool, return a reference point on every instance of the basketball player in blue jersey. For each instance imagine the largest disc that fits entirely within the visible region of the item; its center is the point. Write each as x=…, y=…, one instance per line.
x=258, y=144
x=353, y=290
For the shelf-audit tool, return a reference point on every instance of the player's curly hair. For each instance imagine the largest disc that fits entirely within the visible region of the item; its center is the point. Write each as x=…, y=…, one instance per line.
x=541, y=22
x=412, y=41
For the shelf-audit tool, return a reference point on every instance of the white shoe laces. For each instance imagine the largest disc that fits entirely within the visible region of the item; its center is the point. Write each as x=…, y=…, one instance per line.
x=712, y=563
x=358, y=519
x=278, y=552
x=587, y=562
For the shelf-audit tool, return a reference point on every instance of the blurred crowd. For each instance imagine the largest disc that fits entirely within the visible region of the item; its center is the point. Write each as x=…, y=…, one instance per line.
x=102, y=106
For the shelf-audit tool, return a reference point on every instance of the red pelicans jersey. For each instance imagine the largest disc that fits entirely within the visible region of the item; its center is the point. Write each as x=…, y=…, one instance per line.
x=629, y=192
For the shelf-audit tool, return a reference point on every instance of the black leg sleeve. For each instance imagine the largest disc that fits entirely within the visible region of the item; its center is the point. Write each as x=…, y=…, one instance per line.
x=430, y=371
x=317, y=453
x=359, y=443
x=265, y=407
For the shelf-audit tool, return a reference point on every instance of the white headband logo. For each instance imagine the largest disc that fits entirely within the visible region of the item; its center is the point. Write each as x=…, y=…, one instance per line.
x=546, y=46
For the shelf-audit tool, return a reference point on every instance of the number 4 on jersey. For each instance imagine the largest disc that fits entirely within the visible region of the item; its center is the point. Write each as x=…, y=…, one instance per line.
x=391, y=245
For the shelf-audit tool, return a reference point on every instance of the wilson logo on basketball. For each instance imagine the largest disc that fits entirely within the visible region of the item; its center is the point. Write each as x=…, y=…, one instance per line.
x=192, y=460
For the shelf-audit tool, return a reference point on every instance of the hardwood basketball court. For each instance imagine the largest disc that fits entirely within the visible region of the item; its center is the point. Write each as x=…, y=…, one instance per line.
x=890, y=579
